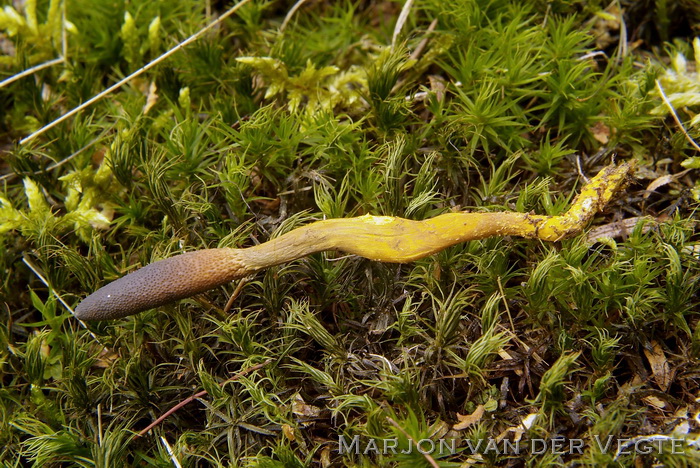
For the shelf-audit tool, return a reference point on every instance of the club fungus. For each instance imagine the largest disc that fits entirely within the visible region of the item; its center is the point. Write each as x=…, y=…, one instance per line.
x=380, y=238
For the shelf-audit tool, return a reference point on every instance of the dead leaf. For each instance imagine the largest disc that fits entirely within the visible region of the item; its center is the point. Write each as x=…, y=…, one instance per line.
x=504, y=354
x=660, y=368
x=661, y=181
x=440, y=429
x=656, y=183
x=151, y=98
x=437, y=86
x=303, y=410
x=288, y=432
x=683, y=426
x=467, y=420
x=326, y=457
x=617, y=229
x=655, y=402
x=106, y=359
x=601, y=132
x=520, y=429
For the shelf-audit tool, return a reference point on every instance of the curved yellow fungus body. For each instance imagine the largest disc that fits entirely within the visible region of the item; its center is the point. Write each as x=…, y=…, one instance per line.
x=381, y=238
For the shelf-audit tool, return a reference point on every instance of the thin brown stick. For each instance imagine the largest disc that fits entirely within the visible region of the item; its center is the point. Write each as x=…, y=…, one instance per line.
x=403, y=17
x=236, y=293
x=43, y=279
x=189, y=399
x=290, y=13
x=31, y=71
x=415, y=55
x=62, y=161
x=138, y=72
x=505, y=302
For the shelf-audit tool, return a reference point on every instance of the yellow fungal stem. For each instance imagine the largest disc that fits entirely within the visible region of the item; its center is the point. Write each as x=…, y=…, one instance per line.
x=399, y=240
x=381, y=238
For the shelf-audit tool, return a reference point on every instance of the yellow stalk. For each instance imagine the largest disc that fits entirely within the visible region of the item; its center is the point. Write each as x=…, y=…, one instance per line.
x=380, y=238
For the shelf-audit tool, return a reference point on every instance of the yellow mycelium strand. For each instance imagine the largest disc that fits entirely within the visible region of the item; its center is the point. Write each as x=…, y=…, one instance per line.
x=381, y=238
